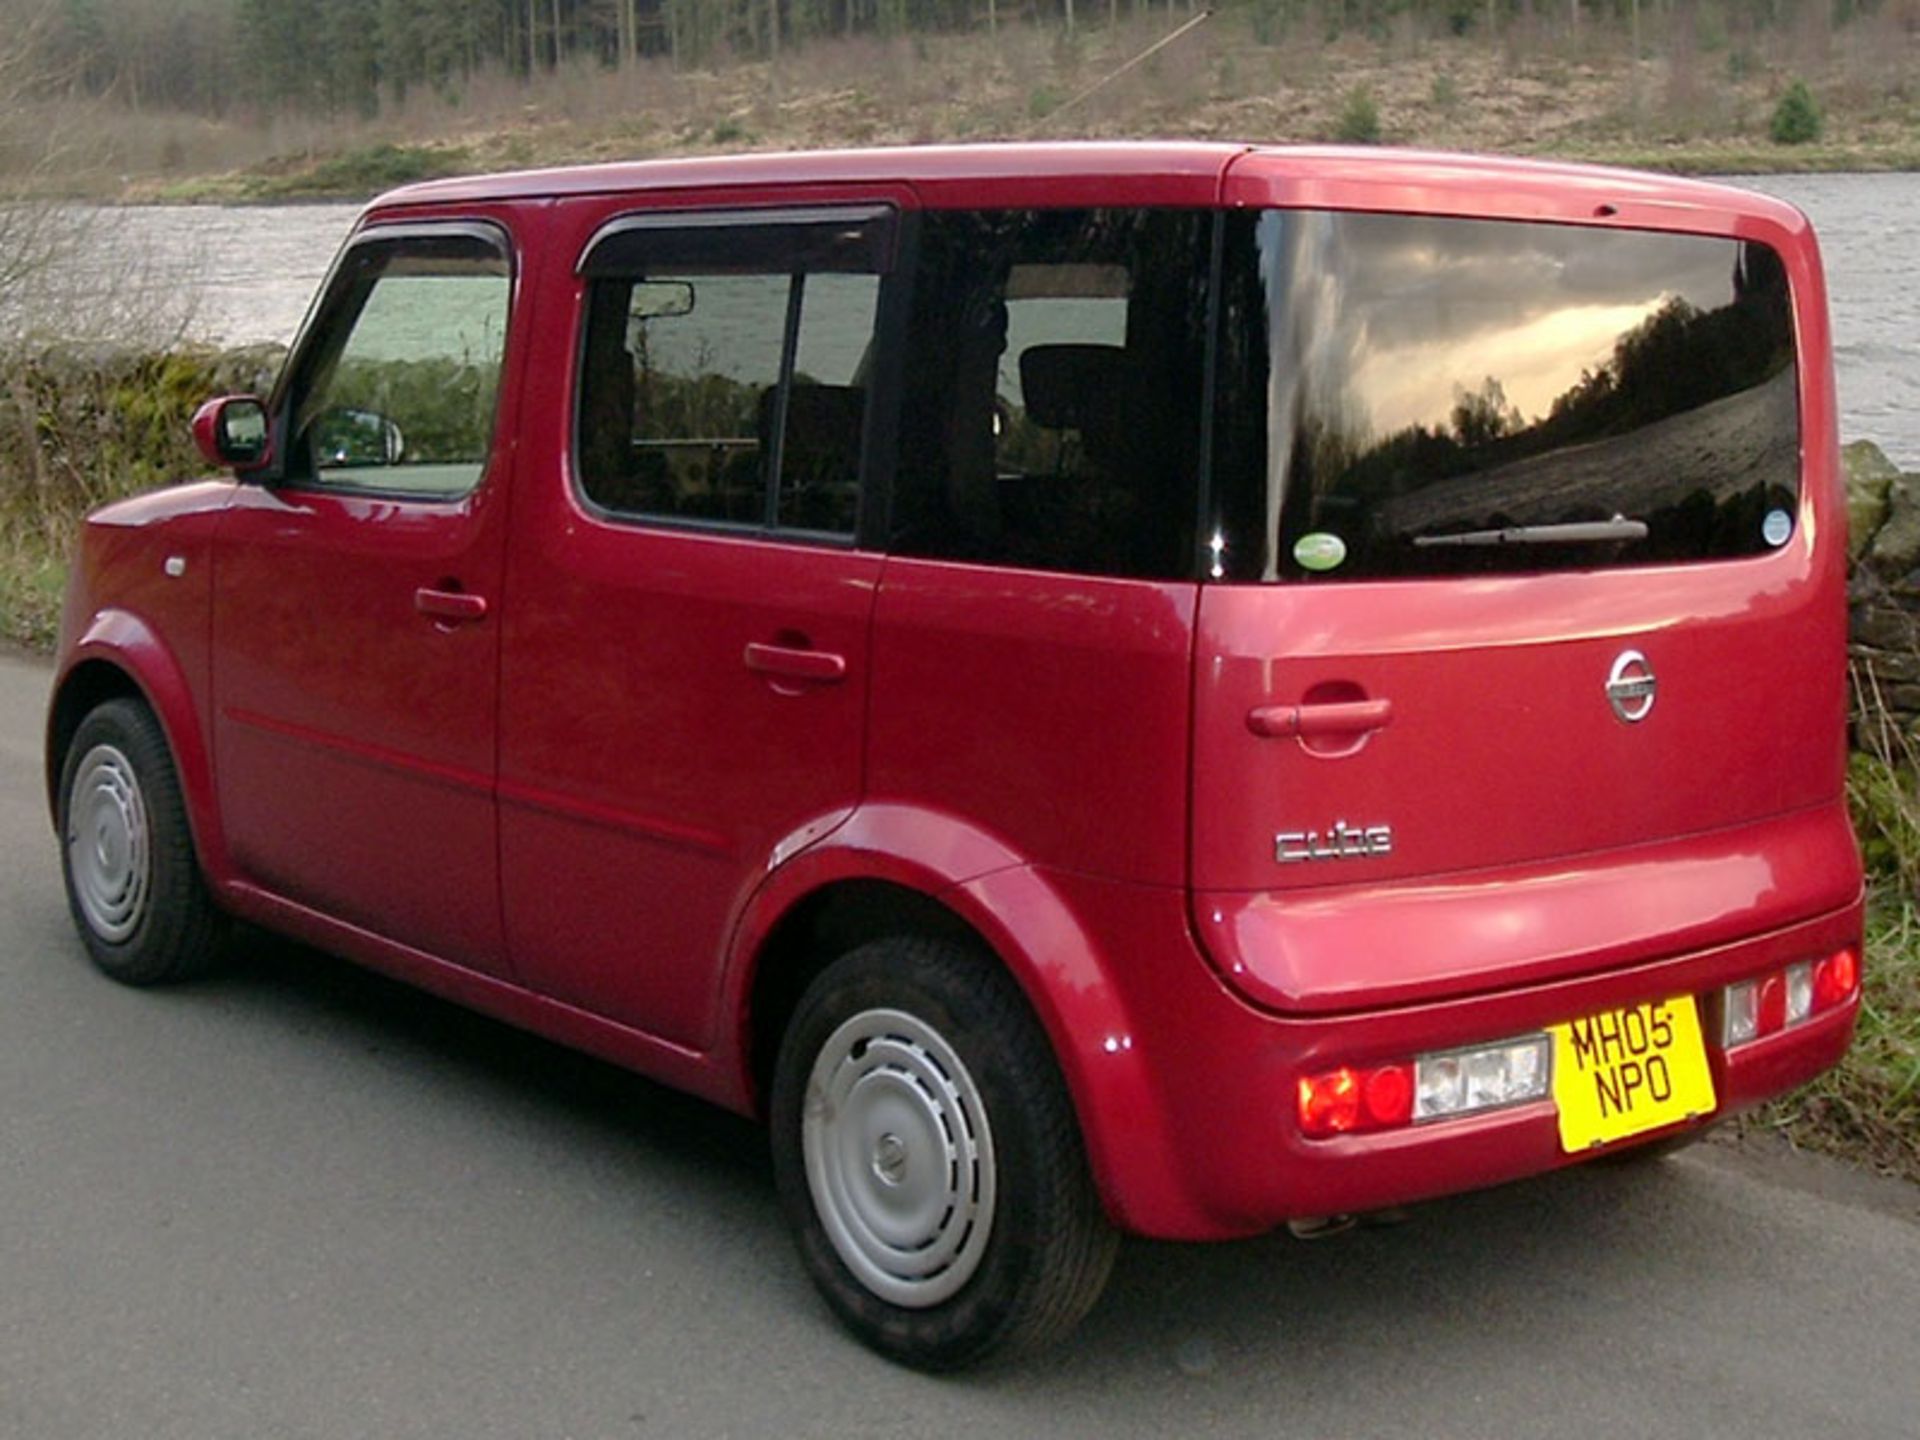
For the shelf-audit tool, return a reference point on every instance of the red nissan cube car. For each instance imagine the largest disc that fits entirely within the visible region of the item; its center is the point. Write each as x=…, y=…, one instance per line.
x=1171, y=689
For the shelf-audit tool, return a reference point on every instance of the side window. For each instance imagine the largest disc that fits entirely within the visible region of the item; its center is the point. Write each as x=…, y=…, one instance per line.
x=732, y=391
x=1054, y=376
x=396, y=393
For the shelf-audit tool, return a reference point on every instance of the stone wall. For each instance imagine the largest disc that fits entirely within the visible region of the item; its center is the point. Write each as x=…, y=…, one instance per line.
x=1883, y=515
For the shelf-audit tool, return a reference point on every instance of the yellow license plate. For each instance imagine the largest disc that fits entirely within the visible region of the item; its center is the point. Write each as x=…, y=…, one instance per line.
x=1624, y=1072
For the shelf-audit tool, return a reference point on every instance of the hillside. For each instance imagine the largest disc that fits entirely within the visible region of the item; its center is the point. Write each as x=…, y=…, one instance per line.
x=1701, y=97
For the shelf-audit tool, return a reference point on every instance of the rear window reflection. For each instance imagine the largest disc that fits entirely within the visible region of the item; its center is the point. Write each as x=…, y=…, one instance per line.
x=1413, y=396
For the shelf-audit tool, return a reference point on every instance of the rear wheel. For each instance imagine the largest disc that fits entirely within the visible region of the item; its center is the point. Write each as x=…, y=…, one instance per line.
x=929, y=1159
x=133, y=882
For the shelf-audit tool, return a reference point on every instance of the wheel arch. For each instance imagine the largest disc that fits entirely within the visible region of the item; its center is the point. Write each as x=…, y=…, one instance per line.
x=83, y=689
x=820, y=926
x=917, y=874
x=120, y=656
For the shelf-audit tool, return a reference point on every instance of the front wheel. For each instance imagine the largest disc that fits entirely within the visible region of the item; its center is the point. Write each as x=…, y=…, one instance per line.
x=133, y=881
x=929, y=1160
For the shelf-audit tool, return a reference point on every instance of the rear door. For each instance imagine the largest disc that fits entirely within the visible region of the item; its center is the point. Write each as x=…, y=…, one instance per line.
x=685, y=663
x=1515, y=560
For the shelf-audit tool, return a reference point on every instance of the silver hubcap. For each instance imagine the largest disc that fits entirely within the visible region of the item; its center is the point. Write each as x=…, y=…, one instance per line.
x=899, y=1158
x=107, y=845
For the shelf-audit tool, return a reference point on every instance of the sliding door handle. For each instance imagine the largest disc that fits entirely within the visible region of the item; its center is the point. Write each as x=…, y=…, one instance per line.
x=787, y=662
x=450, y=605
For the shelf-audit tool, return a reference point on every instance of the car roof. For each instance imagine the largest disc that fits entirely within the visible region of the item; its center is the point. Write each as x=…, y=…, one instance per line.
x=907, y=164
x=1166, y=172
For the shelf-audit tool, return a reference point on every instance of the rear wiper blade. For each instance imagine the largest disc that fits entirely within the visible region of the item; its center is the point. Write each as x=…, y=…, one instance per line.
x=1582, y=532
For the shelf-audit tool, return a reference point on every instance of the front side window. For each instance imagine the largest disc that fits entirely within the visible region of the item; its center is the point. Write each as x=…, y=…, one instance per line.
x=396, y=393
x=1409, y=395
x=726, y=373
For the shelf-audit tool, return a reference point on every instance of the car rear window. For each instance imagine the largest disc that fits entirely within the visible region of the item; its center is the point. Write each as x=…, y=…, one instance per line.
x=1406, y=396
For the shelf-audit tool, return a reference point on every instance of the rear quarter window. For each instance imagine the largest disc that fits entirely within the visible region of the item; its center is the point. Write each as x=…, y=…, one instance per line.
x=1053, y=391
x=1408, y=396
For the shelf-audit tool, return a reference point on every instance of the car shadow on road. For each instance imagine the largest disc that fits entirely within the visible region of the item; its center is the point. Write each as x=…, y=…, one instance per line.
x=1517, y=1261
x=308, y=989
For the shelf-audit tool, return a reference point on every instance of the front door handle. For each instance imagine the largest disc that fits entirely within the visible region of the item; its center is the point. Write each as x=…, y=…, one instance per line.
x=1342, y=719
x=788, y=662
x=450, y=605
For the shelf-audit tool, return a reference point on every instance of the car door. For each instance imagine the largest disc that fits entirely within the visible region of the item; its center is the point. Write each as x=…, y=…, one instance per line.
x=684, y=667
x=355, y=615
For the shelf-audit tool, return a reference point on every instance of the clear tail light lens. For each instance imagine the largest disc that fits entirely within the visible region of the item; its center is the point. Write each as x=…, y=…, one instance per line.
x=1799, y=992
x=1460, y=1082
x=1741, y=1005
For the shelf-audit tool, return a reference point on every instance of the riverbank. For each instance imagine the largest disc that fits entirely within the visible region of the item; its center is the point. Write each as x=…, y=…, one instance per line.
x=1697, y=103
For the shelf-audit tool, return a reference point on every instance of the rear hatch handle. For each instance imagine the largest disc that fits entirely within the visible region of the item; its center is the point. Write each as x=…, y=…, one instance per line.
x=1339, y=719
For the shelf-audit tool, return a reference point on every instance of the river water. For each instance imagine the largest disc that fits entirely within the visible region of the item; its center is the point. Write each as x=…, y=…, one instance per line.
x=249, y=272
x=1869, y=228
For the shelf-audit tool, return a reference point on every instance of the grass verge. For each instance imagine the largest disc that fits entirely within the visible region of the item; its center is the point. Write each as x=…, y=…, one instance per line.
x=346, y=175
x=1867, y=1109
x=33, y=576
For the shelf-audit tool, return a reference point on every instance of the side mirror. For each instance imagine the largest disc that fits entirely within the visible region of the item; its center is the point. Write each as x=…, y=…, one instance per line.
x=232, y=432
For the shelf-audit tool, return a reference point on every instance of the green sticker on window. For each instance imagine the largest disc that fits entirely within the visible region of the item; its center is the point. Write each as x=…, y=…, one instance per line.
x=1319, y=551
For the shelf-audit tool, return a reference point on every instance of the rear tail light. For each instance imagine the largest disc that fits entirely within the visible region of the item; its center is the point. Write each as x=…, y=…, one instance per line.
x=1835, y=978
x=1460, y=1082
x=1443, y=1084
x=1352, y=1099
x=1768, y=1004
x=1342, y=1101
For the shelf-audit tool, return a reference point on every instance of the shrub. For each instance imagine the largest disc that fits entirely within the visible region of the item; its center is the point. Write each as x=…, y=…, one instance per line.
x=362, y=172
x=1796, y=119
x=80, y=427
x=1359, y=122
x=1043, y=101
x=1269, y=21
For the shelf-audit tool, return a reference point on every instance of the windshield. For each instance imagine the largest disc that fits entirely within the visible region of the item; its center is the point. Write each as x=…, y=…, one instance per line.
x=1407, y=396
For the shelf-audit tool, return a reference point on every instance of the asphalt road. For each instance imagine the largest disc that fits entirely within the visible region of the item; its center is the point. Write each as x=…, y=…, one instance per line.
x=301, y=1201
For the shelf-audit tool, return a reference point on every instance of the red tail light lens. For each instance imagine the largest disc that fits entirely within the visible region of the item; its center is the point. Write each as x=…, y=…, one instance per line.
x=1388, y=1095
x=1330, y=1103
x=1356, y=1098
x=1834, y=979
x=1773, y=1004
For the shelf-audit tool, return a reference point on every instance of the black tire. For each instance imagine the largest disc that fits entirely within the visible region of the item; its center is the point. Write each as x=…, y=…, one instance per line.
x=1036, y=1252
x=140, y=904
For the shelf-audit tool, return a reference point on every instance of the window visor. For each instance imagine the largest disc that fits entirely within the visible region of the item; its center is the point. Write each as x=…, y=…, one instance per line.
x=842, y=239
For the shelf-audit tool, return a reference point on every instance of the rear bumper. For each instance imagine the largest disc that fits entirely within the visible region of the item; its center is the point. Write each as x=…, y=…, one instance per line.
x=1213, y=1148
x=1329, y=949
x=1359, y=1173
